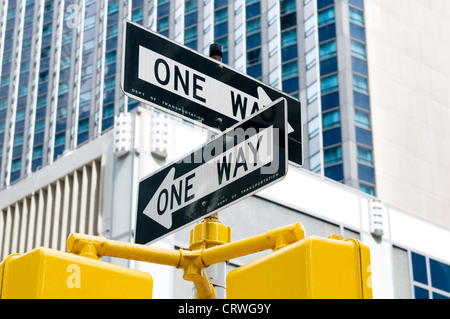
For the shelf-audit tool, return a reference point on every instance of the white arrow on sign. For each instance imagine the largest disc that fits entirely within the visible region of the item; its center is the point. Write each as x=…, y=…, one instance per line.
x=228, y=166
x=188, y=83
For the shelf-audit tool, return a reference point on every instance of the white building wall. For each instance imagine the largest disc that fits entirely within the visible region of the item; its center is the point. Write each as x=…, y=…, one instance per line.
x=407, y=49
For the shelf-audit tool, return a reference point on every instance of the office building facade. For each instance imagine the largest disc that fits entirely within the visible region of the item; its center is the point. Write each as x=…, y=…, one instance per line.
x=61, y=64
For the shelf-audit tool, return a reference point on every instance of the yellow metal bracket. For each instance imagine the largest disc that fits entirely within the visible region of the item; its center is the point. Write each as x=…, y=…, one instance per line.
x=210, y=244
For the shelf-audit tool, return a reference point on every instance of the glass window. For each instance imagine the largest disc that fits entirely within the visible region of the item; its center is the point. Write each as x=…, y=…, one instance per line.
x=24, y=66
x=420, y=293
x=3, y=103
x=63, y=88
x=83, y=126
x=326, y=16
x=11, y=13
x=253, y=10
x=288, y=21
x=60, y=139
x=37, y=152
x=190, y=34
x=327, y=50
x=88, y=46
x=190, y=6
x=367, y=189
x=335, y=172
x=65, y=62
x=111, y=31
x=360, y=84
x=358, y=49
x=137, y=14
x=16, y=164
x=362, y=119
x=253, y=40
x=23, y=90
x=5, y=80
x=331, y=119
x=419, y=268
x=291, y=85
x=108, y=110
x=113, y=6
x=221, y=15
x=253, y=26
x=254, y=56
x=18, y=139
x=332, y=155
x=47, y=29
x=89, y=22
x=255, y=70
x=110, y=83
x=85, y=98
x=440, y=275
x=66, y=38
x=365, y=156
x=39, y=126
x=110, y=57
x=288, y=37
x=190, y=19
x=329, y=83
x=287, y=6
x=20, y=115
x=357, y=32
x=290, y=69
x=163, y=8
x=356, y=16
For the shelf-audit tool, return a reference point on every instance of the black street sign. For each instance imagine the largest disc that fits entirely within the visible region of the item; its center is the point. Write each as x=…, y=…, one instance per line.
x=241, y=161
x=178, y=80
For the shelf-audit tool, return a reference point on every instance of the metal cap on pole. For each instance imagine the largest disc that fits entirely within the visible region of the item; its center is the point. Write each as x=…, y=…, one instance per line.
x=216, y=51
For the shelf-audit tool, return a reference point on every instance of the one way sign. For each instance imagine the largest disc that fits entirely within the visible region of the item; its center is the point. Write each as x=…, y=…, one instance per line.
x=243, y=160
x=172, y=77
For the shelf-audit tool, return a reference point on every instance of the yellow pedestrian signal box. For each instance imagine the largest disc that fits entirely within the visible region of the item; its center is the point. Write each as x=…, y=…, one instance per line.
x=312, y=268
x=48, y=274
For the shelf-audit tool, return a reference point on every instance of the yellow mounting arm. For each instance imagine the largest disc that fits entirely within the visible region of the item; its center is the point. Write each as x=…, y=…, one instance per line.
x=192, y=261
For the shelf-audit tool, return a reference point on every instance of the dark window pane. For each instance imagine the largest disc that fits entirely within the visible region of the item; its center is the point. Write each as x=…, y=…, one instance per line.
x=332, y=137
x=253, y=10
x=363, y=136
x=361, y=100
x=288, y=21
x=359, y=66
x=419, y=268
x=420, y=293
x=327, y=32
x=357, y=32
x=440, y=275
x=328, y=66
x=324, y=3
x=335, y=172
x=330, y=101
x=366, y=174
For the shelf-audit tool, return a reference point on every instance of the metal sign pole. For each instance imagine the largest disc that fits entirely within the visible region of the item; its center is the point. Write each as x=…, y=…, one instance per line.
x=217, y=272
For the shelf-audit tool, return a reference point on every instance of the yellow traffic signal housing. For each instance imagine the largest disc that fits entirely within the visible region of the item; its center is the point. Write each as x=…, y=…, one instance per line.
x=48, y=274
x=312, y=268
